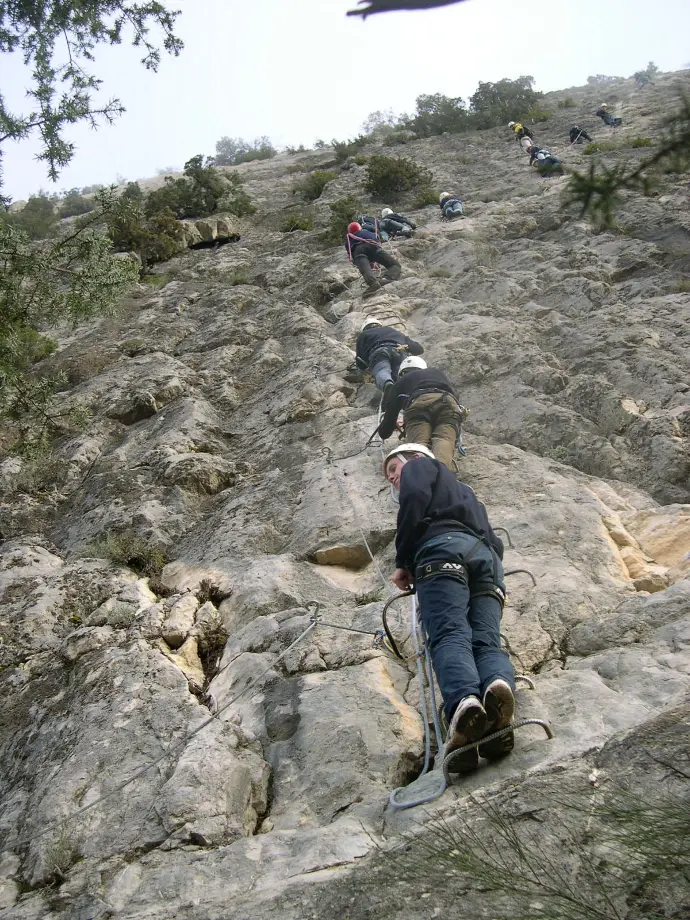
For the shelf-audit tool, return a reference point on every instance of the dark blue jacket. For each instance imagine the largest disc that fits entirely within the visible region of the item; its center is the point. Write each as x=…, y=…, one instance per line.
x=407, y=388
x=451, y=200
x=366, y=236
x=377, y=337
x=432, y=502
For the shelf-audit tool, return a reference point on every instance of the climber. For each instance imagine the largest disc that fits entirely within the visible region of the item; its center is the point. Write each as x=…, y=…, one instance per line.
x=606, y=116
x=446, y=547
x=381, y=349
x=432, y=414
x=545, y=162
x=363, y=248
x=578, y=135
x=520, y=131
x=393, y=224
x=370, y=223
x=450, y=206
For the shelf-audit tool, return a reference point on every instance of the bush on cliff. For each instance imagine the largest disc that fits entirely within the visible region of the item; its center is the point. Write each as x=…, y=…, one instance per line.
x=38, y=219
x=154, y=239
x=315, y=183
x=495, y=103
x=390, y=176
x=230, y=151
x=342, y=212
x=437, y=114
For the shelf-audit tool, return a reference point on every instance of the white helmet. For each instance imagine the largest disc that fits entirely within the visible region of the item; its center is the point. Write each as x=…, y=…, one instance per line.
x=406, y=448
x=603, y=106
x=410, y=363
x=511, y=124
x=370, y=322
x=386, y=212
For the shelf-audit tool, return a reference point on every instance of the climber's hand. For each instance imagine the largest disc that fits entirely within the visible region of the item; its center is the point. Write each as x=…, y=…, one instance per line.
x=402, y=579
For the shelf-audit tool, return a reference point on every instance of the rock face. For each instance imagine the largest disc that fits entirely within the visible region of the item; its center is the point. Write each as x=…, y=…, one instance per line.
x=206, y=743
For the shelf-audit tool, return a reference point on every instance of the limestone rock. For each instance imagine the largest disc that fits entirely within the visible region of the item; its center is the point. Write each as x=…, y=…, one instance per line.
x=228, y=429
x=180, y=620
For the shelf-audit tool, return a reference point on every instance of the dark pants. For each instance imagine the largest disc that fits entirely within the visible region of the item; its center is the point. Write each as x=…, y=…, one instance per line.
x=384, y=363
x=363, y=258
x=463, y=631
x=395, y=228
x=549, y=166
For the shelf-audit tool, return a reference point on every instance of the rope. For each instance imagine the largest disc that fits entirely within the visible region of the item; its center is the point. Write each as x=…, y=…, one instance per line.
x=175, y=747
x=429, y=797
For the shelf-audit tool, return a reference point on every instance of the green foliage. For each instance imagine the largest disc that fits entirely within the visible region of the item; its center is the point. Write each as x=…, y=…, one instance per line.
x=644, y=76
x=567, y=103
x=292, y=151
x=536, y=115
x=315, y=183
x=397, y=138
x=128, y=549
x=38, y=218
x=642, y=142
x=74, y=203
x=233, y=150
x=154, y=239
x=196, y=194
x=297, y=220
x=132, y=192
x=66, y=280
x=343, y=210
x=604, y=857
x=601, y=79
x=495, y=103
x=389, y=176
x=682, y=287
x=46, y=35
x=424, y=196
x=598, y=192
x=379, y=124
x=345, y=149
x=320, y=144
x=359, y=159
x=436, y=114
x=235, y=200
x=599, y=147
x=440, y=272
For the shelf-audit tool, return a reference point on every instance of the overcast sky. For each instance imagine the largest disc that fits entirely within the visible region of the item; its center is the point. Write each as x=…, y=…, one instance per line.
x=298, y=70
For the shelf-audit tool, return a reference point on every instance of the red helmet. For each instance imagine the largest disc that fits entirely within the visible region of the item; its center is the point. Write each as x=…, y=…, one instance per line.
x=353, y=227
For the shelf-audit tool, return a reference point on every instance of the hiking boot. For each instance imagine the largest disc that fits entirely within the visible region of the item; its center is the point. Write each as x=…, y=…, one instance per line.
x=387, y=387
x=372, y=288
x=467, y=725
x=499, y=703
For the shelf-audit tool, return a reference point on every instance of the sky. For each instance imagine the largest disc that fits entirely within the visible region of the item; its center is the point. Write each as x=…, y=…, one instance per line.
x=298, y=70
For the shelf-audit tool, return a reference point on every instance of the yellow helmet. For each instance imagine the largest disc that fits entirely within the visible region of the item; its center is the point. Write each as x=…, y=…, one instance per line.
x=444, y=195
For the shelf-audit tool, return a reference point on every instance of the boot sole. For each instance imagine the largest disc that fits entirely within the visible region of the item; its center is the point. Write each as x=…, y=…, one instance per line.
x=470, y=728
x=500, y=711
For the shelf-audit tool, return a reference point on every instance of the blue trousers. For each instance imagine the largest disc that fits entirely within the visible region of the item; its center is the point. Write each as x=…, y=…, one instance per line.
x=452, y=210
x=384, y=363
x=463, y=631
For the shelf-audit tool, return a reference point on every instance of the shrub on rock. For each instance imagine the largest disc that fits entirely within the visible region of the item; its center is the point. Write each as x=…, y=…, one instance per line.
x=389, y=176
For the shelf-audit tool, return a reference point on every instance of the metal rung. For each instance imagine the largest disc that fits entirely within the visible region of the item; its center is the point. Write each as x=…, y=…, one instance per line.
x=499, y=734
